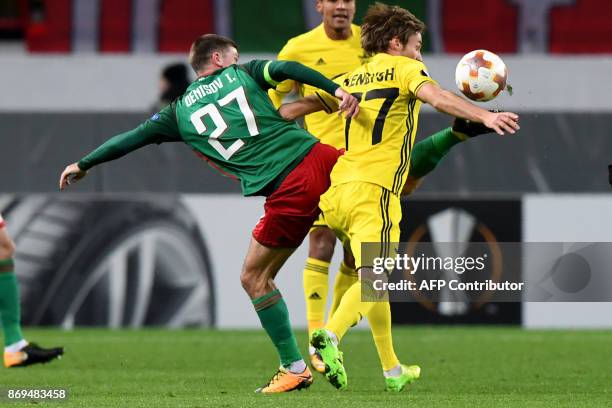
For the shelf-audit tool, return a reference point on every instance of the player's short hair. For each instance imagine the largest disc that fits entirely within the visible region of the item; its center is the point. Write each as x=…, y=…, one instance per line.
x=383, y=22
x=204, y=46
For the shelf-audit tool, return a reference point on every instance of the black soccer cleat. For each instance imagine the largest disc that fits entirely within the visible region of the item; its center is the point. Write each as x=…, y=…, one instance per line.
x=31, y=354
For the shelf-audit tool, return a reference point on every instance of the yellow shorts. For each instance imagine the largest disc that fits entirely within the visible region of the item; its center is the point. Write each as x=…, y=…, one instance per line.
x=361, y=212
x=319, y=223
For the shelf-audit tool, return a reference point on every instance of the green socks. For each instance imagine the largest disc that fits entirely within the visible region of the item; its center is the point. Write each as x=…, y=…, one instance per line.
x=274, y=317
x=427, y=153
x=9, y=303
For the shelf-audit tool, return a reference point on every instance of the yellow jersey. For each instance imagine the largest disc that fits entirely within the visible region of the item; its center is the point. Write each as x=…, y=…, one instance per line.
x=331, y=58
x=379, y=140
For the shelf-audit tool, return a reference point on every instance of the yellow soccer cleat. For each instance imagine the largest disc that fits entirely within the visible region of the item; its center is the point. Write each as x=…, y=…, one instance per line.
x=316, y=362
x=285, y=381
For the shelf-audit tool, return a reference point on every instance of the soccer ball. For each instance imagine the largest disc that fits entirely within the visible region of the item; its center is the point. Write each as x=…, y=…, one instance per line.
x=481, y=75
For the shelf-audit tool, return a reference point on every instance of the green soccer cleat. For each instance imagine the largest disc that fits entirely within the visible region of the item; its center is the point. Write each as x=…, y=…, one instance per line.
x=408, y=376
x=332, y=358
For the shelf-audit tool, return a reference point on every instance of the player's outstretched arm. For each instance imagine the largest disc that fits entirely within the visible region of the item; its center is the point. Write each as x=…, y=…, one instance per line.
x=301, y=107
x=160, y=128
x=315, y=103
x=447, y=102
x=112, y=149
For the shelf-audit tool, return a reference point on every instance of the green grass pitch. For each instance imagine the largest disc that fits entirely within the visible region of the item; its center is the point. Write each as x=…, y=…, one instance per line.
x=473, y=367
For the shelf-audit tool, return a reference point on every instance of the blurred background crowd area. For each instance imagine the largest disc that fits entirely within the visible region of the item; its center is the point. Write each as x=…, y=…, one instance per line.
x=124, y=26
x=75, y=72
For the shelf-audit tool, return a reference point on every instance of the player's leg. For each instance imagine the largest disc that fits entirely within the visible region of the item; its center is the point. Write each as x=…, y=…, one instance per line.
x=348, y=208
x=379, y=319
x=373, y=218
x=378, y=312
x=17, y=351
x=322, y=241
x=326, y=348
x=346, y=276
x=397, y=375
x=290, y=211
x=261, y=265
x=9, y=294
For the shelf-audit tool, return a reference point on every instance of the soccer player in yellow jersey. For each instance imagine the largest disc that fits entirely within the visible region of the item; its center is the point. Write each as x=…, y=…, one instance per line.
x=333, y=48
x=362, y=204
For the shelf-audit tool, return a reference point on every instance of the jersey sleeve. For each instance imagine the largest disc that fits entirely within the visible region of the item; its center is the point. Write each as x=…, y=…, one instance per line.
x=330, y=103
x=268, y=74
x=255, y=69
x=160, y=128
x=412, y=75
x=277, y=94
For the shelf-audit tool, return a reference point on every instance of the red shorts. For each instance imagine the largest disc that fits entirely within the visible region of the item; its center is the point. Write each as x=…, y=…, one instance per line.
x=292, y=208
x=1, y=222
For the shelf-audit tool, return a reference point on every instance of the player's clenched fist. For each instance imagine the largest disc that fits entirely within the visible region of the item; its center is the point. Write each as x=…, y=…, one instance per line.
x=71, y=174
x=348, y=103
x=502, y=122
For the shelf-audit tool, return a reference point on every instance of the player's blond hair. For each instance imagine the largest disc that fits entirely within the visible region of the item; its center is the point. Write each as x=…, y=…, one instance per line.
x=383, y=22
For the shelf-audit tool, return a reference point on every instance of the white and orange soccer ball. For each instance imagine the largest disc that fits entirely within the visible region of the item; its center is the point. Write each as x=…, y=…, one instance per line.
x=481, y=75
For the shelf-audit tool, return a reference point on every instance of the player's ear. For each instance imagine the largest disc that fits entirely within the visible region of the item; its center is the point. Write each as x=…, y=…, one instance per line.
x=216, y=58
x=319, y=6
x=395, y=44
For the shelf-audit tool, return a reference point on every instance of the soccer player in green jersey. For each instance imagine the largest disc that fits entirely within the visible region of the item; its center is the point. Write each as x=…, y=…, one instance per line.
x=17, y=351
x=227, y=117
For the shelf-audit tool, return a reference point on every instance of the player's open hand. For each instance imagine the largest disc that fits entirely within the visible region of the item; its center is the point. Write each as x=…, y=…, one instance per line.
x=348, y=103
x=71, y=174
x=502, y=122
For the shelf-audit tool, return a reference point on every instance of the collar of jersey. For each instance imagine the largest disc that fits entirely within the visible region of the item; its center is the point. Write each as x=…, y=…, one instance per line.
x=217, y=72
x=384, y=55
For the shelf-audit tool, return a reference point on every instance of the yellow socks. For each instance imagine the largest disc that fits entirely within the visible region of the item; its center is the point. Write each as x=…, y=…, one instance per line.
x=352, y=309
x=315, y=292
x=344, y=279
x=349, y=312
x=379, y=319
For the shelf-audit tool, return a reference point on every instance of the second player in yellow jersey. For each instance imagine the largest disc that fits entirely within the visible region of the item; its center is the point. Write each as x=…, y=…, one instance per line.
x=331, y=58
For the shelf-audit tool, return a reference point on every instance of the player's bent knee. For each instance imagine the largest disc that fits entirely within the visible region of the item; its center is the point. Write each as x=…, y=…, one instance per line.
x=322, y=243
x=7, y=249
x=246, y=280
x=253, y=281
